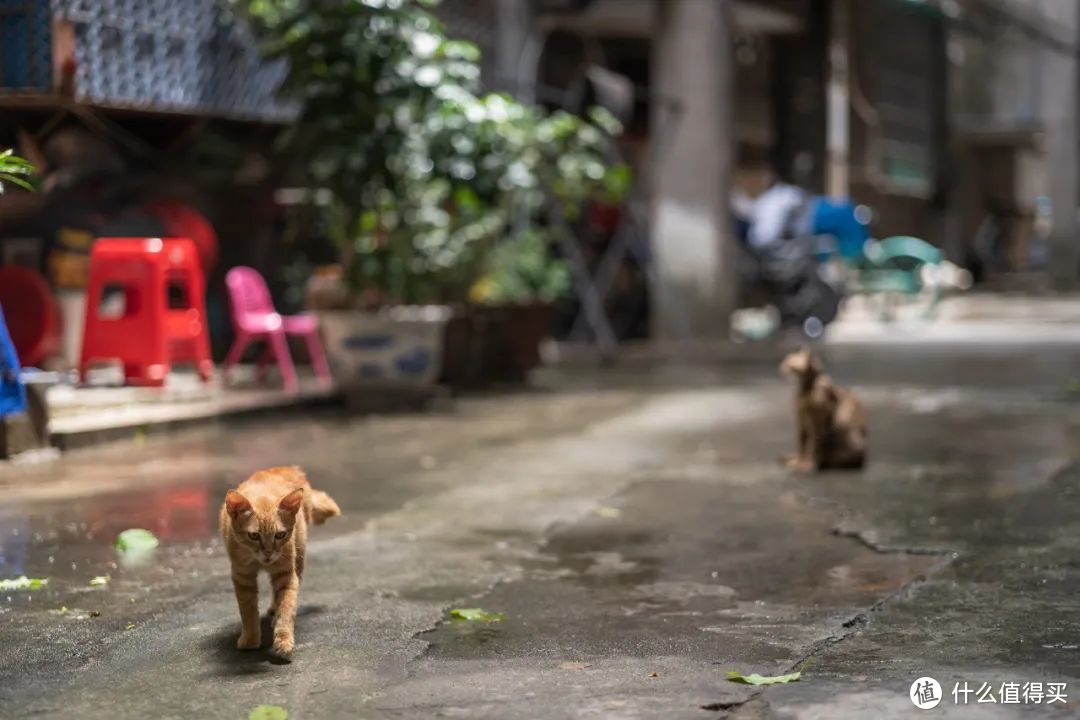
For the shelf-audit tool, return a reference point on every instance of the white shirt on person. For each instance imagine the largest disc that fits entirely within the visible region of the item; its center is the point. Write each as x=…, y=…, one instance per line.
x=777, y=213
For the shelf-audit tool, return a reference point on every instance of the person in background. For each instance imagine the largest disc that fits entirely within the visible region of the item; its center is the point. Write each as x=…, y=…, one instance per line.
x=782, y=212
x=779, y=223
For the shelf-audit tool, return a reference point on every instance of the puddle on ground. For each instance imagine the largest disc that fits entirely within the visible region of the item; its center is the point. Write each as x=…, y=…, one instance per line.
x=437, y=593
x=462, y=634
x=72, y=543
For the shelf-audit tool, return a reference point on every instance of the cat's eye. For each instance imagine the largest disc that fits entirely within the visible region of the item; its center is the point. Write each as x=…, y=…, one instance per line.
x=253, y=536
x=281, y=535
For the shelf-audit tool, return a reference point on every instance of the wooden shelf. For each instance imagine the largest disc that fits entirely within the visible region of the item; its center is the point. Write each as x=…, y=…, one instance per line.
x=21, y=100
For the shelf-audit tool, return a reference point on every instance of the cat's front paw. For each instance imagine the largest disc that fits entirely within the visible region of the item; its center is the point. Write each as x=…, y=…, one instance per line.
x=799, y=464
x=248, y=641
x=283, y=645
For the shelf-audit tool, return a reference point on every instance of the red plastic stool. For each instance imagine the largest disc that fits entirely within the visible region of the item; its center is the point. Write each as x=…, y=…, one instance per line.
x=144, y=332
x=32, y=316
x=184, y=221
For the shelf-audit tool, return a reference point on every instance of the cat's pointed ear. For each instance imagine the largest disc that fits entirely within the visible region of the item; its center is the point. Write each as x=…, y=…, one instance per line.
x=236, y=503
x=291, y=503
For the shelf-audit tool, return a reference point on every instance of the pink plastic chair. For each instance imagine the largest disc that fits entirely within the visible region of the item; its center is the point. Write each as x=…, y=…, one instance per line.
x=255, y=320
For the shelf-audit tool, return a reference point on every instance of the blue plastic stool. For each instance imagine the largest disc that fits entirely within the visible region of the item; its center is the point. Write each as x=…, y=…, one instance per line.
x=12, y=392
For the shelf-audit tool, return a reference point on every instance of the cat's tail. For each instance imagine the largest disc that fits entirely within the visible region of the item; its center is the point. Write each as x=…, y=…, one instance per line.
x=323, y=507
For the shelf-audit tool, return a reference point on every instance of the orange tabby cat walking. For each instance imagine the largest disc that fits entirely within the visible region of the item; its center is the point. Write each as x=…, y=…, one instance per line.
x=264, y=523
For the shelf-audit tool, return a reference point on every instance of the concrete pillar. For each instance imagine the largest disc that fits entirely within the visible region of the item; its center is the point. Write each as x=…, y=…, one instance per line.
x=1059, y=110
x=693, y=148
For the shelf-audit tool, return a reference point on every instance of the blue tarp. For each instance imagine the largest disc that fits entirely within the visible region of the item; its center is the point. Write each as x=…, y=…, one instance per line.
x=839, y=219
x=12, y=392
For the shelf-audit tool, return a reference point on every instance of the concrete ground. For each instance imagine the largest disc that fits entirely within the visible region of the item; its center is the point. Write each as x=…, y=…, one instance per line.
x=633, y=527
x=967, y=317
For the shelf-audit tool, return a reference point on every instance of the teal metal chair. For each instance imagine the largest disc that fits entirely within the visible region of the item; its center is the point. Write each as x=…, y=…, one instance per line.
x=901, y=271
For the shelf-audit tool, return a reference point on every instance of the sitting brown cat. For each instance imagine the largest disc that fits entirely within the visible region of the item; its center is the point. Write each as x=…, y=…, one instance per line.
x=264, y=523
x=832, y=424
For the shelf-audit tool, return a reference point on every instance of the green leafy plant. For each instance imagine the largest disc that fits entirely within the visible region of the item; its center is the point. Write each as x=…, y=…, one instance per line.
x=521, y=270
x=426, y=175
x=616, y=183
x=14, y=170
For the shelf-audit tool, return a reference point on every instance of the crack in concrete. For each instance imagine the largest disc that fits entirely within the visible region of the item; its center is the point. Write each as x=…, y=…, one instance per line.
x=753, y=707
x=866, y=541
x=724, y=706
x=862, y=618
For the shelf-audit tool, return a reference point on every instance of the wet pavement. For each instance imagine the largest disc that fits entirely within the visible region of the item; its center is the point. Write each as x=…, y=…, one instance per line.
x=633, y=526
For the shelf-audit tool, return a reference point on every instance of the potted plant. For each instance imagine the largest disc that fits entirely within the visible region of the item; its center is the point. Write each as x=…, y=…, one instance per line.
x=549, y=164
x=516, y=293
x=421, y=177
x=367, y=75
x=605, y=207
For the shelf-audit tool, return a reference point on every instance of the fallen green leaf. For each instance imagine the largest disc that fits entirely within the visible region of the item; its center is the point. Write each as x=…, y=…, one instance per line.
x=756, y=679
x=269, y=712
x=100, y=580
x=475, y=615
x=23, y=583
x=136, y=539
x=130, y=626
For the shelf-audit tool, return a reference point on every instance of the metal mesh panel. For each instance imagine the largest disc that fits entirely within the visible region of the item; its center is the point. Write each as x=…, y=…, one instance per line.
x=178, y=55
x=170, y=54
